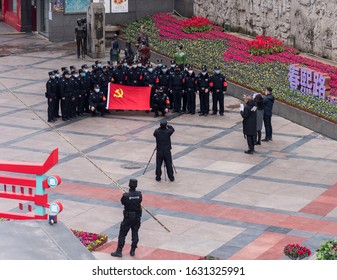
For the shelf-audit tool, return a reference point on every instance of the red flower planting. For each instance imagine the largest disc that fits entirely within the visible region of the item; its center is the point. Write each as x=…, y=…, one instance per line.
x=265, y=45
x=196, y=24
x=296, y=252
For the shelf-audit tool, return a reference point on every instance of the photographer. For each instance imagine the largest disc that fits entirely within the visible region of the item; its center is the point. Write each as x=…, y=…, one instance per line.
x=163, y=140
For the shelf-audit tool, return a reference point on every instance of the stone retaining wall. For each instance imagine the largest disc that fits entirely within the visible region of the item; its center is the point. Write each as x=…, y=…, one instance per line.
x=308, y=25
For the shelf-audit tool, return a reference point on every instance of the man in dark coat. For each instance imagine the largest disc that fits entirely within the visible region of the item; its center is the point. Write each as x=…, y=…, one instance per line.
x=163, y=140
x=51, y=92
x=202, y=83
x=132, y=218
x=218, y=85
x=160, y=102
x=268, y=101
x=248, y=113
x=97, y=101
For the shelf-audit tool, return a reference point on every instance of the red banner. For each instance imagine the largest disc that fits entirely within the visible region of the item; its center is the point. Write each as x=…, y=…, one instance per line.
x=122, y=97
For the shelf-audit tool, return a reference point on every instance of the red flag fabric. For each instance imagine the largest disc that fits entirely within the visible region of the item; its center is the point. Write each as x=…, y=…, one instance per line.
x=122, y=97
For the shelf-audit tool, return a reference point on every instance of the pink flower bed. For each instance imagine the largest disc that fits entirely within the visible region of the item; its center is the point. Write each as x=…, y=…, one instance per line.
x=170, y=28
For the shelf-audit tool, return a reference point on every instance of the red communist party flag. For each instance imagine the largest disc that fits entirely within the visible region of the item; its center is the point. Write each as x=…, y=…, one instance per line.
x=122, y=97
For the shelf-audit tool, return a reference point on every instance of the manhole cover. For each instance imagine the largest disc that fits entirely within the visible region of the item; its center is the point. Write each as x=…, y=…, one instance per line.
x=132, y=166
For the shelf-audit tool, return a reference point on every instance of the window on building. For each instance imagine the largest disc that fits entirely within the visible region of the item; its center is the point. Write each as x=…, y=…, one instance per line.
x=12, y=5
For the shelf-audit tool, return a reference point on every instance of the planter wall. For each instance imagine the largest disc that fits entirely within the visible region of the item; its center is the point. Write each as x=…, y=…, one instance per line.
x=291, y=113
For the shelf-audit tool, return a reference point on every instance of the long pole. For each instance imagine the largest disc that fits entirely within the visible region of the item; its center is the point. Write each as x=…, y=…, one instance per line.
x=149, y=161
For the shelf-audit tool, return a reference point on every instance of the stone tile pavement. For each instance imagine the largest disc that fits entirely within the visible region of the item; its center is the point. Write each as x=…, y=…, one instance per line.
x=223, y=202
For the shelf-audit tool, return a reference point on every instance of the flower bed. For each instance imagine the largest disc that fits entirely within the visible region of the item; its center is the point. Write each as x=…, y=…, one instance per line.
x=231, y=53
x=296, y=251
x=90, y=240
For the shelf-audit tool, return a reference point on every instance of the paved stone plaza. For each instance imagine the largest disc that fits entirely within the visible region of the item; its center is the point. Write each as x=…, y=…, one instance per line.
x=223, y=202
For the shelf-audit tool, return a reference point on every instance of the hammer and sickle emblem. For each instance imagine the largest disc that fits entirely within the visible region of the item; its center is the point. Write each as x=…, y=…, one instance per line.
x=119, y=93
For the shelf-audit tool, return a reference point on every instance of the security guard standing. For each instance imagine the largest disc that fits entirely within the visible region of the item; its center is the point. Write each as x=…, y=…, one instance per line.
x=218, y=88
x=132, y=216
x=202, y=83
x=51, y=92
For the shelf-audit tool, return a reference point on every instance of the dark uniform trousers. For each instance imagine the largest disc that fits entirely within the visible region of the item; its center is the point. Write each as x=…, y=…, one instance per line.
x=127, y=224
x=164, y=155
x=51, y=108
x=190, y=95
x=177, y=94
x=218, y=96
x=204, y=101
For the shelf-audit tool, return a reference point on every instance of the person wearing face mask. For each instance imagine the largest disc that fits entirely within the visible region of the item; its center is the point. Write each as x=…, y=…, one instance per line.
x=157, y=70
x=97, y=101
x=66, y=92
x=202, y=84
x=163, y=80
x=173, y=65
x=176, y=88
x=119, y=74
x=150, y=78
x=103, y=80
x=58, y=94
x=87, y=83
x=134, y=75
x=82, y=92
x=218, y=88
x=75, y=84
x=99, y=67
x=190, y=88
x=51, y=92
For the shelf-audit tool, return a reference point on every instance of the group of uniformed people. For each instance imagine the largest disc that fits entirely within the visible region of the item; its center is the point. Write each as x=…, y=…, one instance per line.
x=79, y=91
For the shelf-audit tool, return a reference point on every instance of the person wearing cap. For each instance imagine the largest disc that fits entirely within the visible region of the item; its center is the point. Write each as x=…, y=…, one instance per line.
x=94, y=75
x=134, y=75
x=268, y=101
x=160, y=103
x=114, y=50
x=132, y=213
x=172, y=67
x=58, y=94
x=202, y=84
x=176, y=87
x=158, y=69
x=163, y=80
x=97, y=101
x=150, y=78
x=85, y=76
x=75, y=85
x=180, y=57
x=82, y=92
x=66, y=93
x=163, y=147
x=218, y=88
x=104, y=80
x=51, y=92
x=248, y=113
x=189, y=90
x=119, y=74
x=79, y=37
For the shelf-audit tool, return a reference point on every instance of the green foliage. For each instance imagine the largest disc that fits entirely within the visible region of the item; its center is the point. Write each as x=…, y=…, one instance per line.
x=252, y=75
x=327, y=251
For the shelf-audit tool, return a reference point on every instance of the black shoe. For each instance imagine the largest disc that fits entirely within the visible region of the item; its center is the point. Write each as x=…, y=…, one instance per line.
x=158, y=179
x=117, y=254
x=201, y=114
x=270, y=139
x=58, y=116
x=172, y=179
x=156, y=115
x=249, y=152
x=132, y=251
x=206, y=114
x=221, y=114
x=193, y=113
x=213, y=113
x=64, y=119
x=258, y=143
x=265, y=140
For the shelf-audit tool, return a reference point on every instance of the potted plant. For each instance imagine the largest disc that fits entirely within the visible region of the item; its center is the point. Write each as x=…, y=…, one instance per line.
x=296, y=251
x=327, y=251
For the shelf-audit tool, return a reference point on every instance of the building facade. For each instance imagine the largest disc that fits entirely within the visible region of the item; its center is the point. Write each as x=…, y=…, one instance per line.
x=56, y=19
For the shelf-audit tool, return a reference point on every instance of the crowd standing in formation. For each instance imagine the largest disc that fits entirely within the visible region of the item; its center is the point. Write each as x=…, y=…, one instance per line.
x=79, y=91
